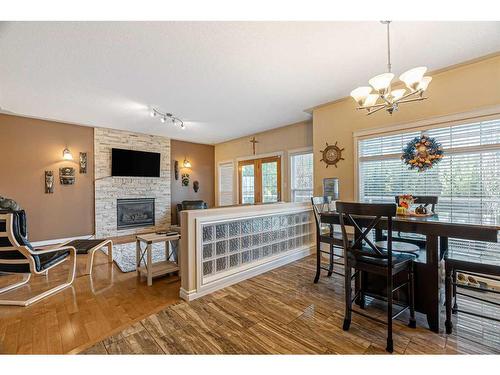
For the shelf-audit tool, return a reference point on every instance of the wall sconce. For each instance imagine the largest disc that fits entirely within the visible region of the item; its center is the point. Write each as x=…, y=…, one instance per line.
x=186, y=163
x=67, y=154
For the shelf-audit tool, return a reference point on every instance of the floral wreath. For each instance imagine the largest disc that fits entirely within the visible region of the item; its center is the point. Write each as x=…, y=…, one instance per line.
x=422, y=153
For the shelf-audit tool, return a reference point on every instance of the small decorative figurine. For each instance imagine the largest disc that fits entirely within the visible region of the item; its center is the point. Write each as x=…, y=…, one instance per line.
x=49, y=182
x=176, y=170
x=185, y=179
x=196, y=186
x=83, y=162
x=332, y=154
x=67, y=176
x=421, y=210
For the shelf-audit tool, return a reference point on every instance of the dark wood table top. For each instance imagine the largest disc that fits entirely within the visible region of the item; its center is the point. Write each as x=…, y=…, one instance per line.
x=439, y=224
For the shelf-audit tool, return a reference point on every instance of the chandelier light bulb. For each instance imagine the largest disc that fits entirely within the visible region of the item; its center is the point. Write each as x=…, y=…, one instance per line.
x=424, y=83
x=370, y=100
x=382, y=83
x=152, y=113
x=360, y=94
x=163, y=119
x=413, y=77
x=397, y=94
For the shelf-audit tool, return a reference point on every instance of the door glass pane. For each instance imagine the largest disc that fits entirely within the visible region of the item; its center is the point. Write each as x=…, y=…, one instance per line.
x=247, y=184
x=270, y=182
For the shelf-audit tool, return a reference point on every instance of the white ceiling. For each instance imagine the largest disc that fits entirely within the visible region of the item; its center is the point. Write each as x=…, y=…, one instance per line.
x=225, y=79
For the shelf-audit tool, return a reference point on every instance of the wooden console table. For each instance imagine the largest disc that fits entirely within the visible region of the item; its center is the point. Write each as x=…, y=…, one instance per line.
x=150, y=269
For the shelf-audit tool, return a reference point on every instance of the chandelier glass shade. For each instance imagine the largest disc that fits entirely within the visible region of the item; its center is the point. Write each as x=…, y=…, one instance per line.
x=379, y=95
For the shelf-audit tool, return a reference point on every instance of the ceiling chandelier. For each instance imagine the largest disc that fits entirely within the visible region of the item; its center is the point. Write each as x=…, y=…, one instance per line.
x=165, y=116
x=379, y=94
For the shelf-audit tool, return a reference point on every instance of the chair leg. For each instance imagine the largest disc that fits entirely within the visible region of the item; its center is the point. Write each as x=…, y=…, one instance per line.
x=360, y=283
x=411, y=296
x=71, y=278
x=318, y=260
x=455, y=307
x=330, y=267
x=16, y=285
x=390, y=345
x=348, y=300
x=448, y=297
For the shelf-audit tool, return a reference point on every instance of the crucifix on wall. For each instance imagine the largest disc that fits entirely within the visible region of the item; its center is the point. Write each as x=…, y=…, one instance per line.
x=253, y=141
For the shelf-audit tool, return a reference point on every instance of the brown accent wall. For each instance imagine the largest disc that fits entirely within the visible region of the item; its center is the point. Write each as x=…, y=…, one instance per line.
x=28, y=147
x=203, y=164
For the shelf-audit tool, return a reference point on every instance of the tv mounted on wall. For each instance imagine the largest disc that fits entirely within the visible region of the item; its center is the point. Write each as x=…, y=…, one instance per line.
x=130, y=163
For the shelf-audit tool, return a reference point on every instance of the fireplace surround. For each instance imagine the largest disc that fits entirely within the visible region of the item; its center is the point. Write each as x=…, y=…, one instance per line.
x=135, y=212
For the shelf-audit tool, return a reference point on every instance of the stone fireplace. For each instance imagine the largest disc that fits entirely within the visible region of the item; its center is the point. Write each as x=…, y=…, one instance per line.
x=147, y=199
x=136, y=212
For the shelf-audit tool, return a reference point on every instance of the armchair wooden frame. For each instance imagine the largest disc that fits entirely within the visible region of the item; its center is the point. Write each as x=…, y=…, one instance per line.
x=29, y=259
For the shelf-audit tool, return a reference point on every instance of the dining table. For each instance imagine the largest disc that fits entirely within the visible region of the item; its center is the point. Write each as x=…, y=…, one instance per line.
x=437, y=230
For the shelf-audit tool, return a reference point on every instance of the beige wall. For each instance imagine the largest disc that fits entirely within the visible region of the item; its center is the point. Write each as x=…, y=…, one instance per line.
x=461, y=89
x=28, y=148
x=284, y=139
x=202, y=161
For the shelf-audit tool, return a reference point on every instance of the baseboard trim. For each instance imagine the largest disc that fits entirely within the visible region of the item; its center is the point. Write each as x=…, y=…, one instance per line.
x=60, y=240
x=191, y=295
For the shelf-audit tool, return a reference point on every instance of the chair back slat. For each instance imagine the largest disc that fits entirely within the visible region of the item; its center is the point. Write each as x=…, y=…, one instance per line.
x=10, y=248
x=350, y=214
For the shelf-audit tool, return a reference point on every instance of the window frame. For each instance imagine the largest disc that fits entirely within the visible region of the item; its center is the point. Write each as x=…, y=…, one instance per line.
x=291, y=154
x=463, y=118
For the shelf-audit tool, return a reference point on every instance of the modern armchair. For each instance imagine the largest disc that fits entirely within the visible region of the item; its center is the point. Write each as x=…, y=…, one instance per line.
x=17, y=256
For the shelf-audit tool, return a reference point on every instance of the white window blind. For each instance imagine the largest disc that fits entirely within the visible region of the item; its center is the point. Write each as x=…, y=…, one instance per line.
x=301, y=176
x=226, y=173
x=467, y=180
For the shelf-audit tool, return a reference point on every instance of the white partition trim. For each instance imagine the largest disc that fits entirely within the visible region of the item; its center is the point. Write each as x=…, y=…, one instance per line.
x=247, y=274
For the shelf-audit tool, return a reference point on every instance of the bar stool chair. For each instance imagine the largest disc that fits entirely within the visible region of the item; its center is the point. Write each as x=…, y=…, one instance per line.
x=362, y=255
x=325, y=233
x=455, y=262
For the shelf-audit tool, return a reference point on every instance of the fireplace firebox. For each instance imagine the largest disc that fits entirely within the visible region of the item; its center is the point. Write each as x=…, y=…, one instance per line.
x=132, y=213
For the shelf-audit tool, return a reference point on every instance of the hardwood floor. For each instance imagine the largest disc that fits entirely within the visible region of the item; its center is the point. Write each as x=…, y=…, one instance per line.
x=281, y=311
x=78, y=317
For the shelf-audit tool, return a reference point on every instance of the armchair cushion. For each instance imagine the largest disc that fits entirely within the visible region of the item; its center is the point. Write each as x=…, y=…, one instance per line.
x=19, y=229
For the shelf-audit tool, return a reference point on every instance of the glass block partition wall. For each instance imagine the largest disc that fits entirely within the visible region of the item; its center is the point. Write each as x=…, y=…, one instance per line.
x=230, y=245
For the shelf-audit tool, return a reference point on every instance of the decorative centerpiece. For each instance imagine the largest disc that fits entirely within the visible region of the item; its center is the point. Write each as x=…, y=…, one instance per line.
x=422, y=153
x=405, y=202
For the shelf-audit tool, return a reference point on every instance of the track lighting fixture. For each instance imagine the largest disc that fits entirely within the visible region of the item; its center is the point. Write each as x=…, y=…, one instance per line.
x=165, y=115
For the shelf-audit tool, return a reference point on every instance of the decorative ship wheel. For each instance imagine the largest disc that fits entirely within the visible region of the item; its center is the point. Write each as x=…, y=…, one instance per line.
x=332, y=154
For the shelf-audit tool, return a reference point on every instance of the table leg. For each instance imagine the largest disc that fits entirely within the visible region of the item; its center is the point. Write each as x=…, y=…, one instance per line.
x=110, y=252
x=428, y=282
x=167, y=250
x=138, y=255
x=150, y=264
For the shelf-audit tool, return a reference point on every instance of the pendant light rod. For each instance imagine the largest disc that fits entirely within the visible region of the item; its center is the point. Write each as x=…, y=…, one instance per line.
x=389, y=66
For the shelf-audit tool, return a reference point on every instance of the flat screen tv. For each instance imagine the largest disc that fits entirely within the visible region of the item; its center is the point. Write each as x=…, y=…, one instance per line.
x=129, y=163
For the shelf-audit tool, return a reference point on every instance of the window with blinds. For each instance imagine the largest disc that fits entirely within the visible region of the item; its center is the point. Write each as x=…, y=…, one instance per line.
x=301, y=176
x=226, y=173
x=467, y=179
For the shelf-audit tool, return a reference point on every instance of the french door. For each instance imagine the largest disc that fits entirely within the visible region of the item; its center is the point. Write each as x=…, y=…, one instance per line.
x=259, y=180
